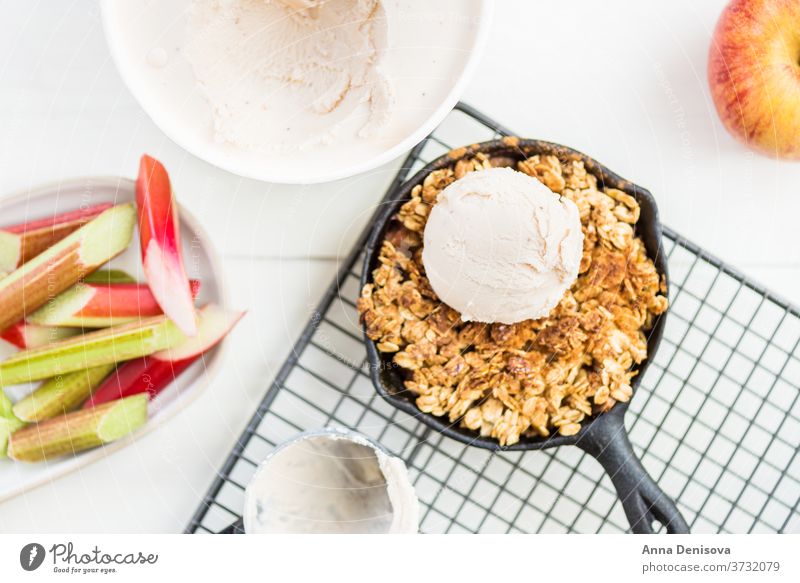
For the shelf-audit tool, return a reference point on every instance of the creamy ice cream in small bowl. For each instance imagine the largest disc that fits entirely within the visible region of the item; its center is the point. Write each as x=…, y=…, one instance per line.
x=513, y=295
x=330, y=481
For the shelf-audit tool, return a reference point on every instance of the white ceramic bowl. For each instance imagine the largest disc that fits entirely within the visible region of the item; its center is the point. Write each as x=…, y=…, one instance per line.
x=201, y=263
x=433, y=47
x=295, y=515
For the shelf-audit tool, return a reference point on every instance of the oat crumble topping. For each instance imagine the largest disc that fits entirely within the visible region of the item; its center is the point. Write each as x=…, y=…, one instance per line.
x=538, y=376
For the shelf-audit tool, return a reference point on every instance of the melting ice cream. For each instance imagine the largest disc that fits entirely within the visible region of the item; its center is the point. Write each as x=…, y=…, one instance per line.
x=331, y=482
x=290, y=74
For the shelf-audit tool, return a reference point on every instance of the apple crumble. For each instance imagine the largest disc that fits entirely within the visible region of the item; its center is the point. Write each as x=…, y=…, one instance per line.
x=535, y=377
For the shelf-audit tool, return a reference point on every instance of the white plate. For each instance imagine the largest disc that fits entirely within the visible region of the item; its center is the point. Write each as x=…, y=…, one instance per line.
x=201, y=263
x=433, y=47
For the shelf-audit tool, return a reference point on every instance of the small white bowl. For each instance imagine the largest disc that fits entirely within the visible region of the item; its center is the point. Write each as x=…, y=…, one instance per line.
x=433, y=47
x=331, y=481
x=201, y=263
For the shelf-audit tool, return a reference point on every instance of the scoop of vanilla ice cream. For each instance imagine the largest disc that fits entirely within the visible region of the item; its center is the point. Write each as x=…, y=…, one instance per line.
x=499, y=246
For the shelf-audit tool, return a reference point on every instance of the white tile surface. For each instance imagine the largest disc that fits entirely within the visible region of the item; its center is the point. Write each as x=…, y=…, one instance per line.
x=621, y=80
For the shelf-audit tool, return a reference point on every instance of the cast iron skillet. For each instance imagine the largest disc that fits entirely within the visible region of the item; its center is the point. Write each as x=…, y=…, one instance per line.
x=604, y=436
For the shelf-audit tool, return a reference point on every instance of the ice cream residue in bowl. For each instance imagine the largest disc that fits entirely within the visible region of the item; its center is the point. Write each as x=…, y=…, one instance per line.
x=290, y=74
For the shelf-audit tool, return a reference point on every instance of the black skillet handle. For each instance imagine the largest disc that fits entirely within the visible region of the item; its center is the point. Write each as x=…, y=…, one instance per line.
x=643, y=501
x=234, y=528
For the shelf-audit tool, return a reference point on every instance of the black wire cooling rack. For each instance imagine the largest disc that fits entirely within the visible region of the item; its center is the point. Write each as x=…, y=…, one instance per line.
x=716, y=419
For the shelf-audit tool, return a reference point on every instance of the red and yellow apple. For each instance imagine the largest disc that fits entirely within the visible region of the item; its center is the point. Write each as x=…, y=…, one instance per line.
x=754, y=74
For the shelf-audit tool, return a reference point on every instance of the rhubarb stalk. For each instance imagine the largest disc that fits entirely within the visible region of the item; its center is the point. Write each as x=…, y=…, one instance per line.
x=152, y=374
x=159, y=232
x=78, y=431
x=8, y=423
x=61, y=394
x=92, y=305
x=106, y=346
x=65, y=263
x=109, y=276
x=6, y=406
x=24, y=335
x=21, y=243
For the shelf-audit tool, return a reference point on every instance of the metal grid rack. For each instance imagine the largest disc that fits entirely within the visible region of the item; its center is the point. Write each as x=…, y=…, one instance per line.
x=716, y=419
